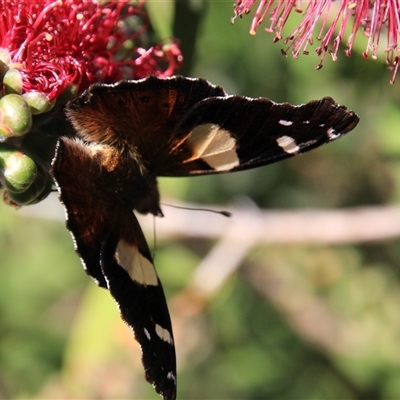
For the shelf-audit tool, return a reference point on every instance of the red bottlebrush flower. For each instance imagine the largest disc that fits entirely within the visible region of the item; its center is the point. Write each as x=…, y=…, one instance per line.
x=54, y=44
x=51, y=47
x=372, y=17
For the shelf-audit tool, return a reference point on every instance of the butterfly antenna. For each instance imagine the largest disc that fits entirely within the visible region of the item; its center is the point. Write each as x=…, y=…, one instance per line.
x=224, y=213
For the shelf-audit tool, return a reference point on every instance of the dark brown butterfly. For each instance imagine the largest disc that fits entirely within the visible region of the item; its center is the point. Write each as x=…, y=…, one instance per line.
x=128, y=134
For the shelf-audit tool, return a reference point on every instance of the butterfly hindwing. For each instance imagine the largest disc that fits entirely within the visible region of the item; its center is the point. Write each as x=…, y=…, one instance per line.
x=81, y=201
x=114, y=252
x=134, y=284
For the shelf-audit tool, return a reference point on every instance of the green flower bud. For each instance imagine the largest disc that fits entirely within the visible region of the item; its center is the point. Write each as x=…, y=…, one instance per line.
x=5, y=56
x=19, y=172
x=39, y=190
x=20, y=199
x=15, y=113
x=69, y=93
x=12, y=81
x=5, y=131
x=47, y=189
x=38, y=102
x=3, y=68
x=5, y=152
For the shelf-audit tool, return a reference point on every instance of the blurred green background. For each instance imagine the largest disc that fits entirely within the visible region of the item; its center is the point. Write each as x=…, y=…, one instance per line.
x=294, y=321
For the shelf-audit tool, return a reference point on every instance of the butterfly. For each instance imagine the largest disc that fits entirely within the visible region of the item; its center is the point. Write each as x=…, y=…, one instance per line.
x=130, y=133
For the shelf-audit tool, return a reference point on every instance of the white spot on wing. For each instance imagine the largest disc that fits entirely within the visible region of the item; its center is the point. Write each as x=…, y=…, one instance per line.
x=147, y=333
x=306, y=122
x=213, y=145
x=139, y=268
x=164, y=334
x=288, y=144
x=285, y=123
x=332, y=134
x=171, y=376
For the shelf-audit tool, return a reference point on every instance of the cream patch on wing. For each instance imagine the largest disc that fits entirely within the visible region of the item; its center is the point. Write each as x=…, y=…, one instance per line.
x=139, y=268
x=288, y=144
x=164, y=334
x=213, y=145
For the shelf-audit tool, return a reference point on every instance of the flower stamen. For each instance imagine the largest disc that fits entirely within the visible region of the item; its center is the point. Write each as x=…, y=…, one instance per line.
x=371, y=17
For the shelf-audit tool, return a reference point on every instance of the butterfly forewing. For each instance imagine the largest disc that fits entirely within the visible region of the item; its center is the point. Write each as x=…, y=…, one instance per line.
x=259, y=131
x=143, y=113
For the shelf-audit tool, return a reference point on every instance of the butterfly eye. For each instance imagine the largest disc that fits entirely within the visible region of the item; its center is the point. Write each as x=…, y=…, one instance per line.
x=145, y=99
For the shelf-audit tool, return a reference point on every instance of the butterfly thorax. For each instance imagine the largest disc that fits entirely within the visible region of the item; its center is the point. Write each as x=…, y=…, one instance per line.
x=128, y=177
x=118, y=176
